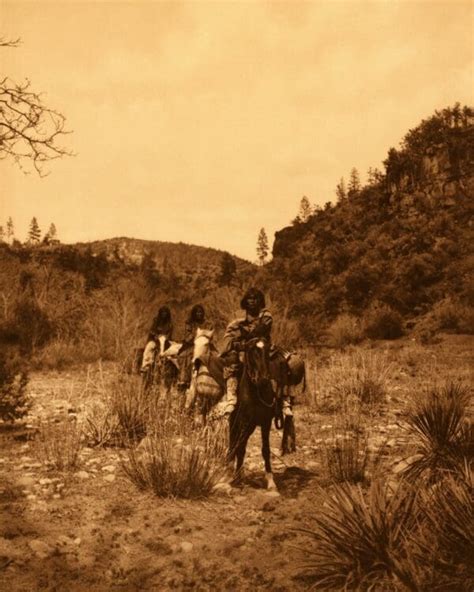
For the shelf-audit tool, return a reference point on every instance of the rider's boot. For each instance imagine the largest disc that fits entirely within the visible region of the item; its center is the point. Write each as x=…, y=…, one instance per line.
x=286, y=406
x=230, y=398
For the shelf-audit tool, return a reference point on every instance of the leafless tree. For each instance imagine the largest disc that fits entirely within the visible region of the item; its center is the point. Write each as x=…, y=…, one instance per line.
x=30, y=131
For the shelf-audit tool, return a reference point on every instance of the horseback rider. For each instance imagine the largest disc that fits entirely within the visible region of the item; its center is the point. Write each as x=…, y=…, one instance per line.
x=256, y=323
x=161, y=325
x=196, y=320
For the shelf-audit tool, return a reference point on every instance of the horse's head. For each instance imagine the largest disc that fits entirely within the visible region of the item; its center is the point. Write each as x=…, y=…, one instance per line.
x=202, y=342
x=256, y=362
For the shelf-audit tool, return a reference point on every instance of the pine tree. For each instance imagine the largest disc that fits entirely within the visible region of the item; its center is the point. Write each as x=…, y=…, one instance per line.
x=50, y=236
x=354, y=183
x=34, y=233
x=262, y=246
x=2, y=234
x=10, y=230
x=341, y=190
x=305, y=210
x=374, y=176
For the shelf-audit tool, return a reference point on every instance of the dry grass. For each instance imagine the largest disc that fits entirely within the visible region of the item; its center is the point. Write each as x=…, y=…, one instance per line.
x=351, y=379
x=346, y=455
x=58, y=445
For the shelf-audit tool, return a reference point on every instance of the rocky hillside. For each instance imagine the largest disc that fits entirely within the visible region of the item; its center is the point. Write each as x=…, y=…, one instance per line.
x=403, y=241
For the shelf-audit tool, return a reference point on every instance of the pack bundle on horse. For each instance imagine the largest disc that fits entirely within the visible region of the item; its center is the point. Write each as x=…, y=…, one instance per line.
x=163, y=368
x=208, y=384
x=287, y=370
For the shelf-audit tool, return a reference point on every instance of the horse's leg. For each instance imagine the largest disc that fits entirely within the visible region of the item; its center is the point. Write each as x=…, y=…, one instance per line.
x=241, y=449
x=284, y=438
x=292, y=434
x=265, y=429
x=288, y=440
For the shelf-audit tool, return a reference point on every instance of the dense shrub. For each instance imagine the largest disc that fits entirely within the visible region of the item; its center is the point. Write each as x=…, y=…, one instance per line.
x=14, y=400
x=32, y=324
x=452, y=315
x=382, y=322
x=344, y=331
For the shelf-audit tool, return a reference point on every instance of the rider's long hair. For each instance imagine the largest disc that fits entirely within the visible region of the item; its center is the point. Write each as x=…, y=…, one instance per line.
x=255, y=293
x=192, y=315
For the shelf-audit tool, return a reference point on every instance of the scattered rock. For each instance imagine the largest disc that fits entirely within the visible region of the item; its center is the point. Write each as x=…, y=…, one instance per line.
x=26, y=481
x=269, y=506
x=82, y=475
x=109, y=478
x=45, y=481
x=40, y=548
x=186, y=546
x=272, y=493
x=225, y=488
x=109, y=468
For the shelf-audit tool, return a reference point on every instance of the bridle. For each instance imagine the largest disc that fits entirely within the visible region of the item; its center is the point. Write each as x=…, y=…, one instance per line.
x=258, y=346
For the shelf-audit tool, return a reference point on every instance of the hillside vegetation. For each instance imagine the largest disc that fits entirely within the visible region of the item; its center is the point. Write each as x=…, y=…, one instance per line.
x=401, y=245
x=386, y=258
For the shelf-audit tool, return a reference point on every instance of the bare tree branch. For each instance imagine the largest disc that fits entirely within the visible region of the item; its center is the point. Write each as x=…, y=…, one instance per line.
x=9, y=42
x=30, y=131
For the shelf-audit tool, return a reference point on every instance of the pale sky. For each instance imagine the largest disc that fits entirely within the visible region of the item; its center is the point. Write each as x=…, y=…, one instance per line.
x=202, y=122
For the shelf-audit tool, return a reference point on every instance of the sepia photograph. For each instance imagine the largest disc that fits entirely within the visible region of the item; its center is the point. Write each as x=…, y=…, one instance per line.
x=236, y=295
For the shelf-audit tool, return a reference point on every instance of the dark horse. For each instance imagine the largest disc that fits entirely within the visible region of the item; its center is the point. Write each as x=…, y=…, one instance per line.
x=256, y=407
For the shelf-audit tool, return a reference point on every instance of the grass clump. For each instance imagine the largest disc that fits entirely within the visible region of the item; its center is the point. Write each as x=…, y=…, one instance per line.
x=58, y=445
x=133, y=407
x=178, y=459
x=444, y=435
x=355, y=378
x=346, y=455
x=101, y=425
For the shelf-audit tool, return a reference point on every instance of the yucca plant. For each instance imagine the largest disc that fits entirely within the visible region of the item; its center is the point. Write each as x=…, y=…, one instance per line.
x=178, y=459
x=445, y=437
x=101, y=425
x=361, y=542
x=134, y=407
x=446, y=539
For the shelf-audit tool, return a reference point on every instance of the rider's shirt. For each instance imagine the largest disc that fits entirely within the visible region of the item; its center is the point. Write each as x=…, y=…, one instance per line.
x=247, y=328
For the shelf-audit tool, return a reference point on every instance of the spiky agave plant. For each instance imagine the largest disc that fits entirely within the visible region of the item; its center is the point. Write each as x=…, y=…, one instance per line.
x=445, y=437
x=446, y=539
x=361, y=543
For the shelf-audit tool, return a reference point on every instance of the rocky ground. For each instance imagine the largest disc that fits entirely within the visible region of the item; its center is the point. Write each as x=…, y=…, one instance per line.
x=91, y=529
